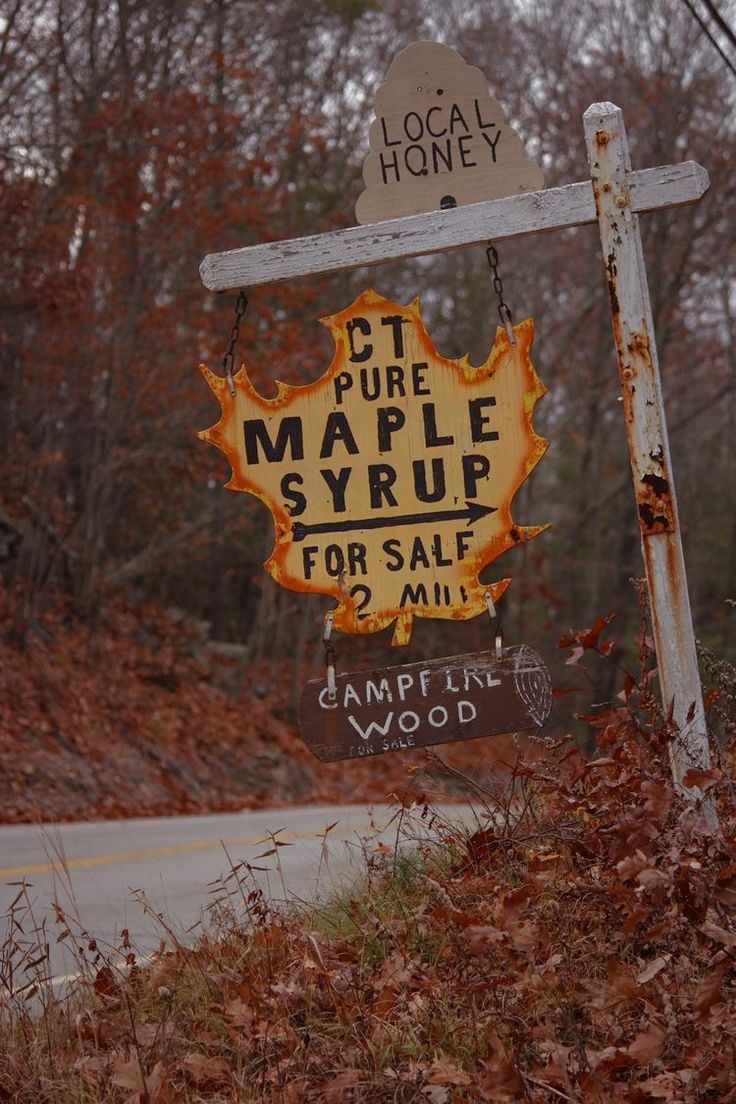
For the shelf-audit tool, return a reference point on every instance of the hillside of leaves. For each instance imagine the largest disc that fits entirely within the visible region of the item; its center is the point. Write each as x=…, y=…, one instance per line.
x=139, y=715
x=578, y=945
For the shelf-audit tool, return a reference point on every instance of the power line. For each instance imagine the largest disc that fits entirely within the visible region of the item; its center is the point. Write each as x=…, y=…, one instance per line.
x=706, y=31
x=720, y=20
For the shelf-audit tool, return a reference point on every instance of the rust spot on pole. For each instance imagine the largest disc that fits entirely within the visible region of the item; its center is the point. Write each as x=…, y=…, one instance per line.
x=654, y=501
x=602, y=137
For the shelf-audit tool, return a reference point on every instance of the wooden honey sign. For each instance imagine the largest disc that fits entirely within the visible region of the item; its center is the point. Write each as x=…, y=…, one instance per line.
x=390, y=478
x=420, y=704
x=438, y=139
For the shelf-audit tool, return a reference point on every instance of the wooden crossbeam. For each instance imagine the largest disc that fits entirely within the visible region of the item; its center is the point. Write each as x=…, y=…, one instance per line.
x=441, y=231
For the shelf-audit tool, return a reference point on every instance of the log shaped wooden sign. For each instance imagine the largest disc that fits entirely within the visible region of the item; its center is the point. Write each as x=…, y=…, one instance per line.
x=390, y=479
x=420, y=704
x=439, y=139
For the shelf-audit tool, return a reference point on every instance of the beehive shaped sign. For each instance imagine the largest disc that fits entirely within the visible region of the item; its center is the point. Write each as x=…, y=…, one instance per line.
x=439, y=139
x=390, y=478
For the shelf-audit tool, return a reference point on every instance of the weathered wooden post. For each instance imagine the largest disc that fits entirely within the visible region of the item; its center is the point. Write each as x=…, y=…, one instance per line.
x=646, y=427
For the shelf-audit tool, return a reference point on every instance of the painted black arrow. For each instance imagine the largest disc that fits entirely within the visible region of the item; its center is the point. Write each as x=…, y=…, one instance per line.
x=473, y=512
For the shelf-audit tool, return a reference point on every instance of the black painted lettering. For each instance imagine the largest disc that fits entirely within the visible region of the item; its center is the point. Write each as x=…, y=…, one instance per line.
x=435, y=133
x=343, y=383
x=362, y=595
x=337, y=428
x=415, y=596
x=421, y=489
x=417, y=378
x=396, y=321
x=492, y=143
x=466, y=154
x=381, y=478
x=439, y=559
x=418, y=555
x=395, y=381
x=481, y=123
x=445, y=157
x=365, y=389
x=462, y=544
x=431, y=437
x=392, y=548
x=479, y=420
x=475, y=468
x=390, y=420
x=334, y=560
x=296, y=497
x=420, y=162
x=309, y=558
x=364, y=327
x=457, y=119
x=337, y=482
x=386, y=140
x=289, y=433
x=389, y=163
x=413, y=126
x=356, y=558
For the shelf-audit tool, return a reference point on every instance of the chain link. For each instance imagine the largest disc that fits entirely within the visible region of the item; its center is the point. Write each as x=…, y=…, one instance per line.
x=504, y=310
x=229, y=357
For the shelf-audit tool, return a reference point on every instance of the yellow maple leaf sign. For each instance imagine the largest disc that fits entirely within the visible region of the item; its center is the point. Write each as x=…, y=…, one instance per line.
x=390, y=478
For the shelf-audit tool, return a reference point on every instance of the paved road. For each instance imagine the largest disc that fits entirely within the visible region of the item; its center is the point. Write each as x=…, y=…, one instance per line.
x=93, y=869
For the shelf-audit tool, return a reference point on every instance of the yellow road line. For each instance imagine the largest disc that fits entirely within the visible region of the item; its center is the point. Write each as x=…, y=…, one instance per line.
x=170, y=849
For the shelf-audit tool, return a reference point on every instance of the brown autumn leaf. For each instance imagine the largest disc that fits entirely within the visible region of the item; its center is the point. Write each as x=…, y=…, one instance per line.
x=385, y=1002
x=480, y=937
x=709, y=990
x=525, y=938
x=126, y=1072
x=159, y=1087
x=500, y=1081
x=203, y=1069
x=652, y=969
x=703, y=780
x=648, y=1044
x=333, y=1089
x=444, y=1072
x=105, y=982
x=654, y=881
x=455, y=916
x=665, y=1086
x=719, y=935
x=631, y=866
x=239, y=1013
x=513, y=903
x=93, y=1067
x=659, y=797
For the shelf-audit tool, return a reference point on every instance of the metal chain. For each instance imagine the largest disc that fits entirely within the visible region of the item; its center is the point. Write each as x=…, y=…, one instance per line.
x=229, y=357
x=504, y=310
x=495, y=626
x=330, y=662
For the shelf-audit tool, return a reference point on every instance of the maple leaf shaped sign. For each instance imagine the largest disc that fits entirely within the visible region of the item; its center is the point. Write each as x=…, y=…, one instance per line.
x=390, y=479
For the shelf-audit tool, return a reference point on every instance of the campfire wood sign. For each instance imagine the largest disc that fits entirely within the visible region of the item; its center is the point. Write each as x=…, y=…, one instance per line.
x=420, y=704
x=390, y=478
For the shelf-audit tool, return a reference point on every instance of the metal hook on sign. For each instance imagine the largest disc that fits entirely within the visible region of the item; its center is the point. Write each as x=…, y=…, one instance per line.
x=496, y=625
x=330, y=660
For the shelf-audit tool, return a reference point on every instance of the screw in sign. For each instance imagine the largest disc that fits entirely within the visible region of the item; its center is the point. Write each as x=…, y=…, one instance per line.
x=390, y=478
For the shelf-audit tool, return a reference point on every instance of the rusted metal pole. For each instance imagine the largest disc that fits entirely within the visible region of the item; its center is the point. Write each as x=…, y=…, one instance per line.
x=646, y=428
